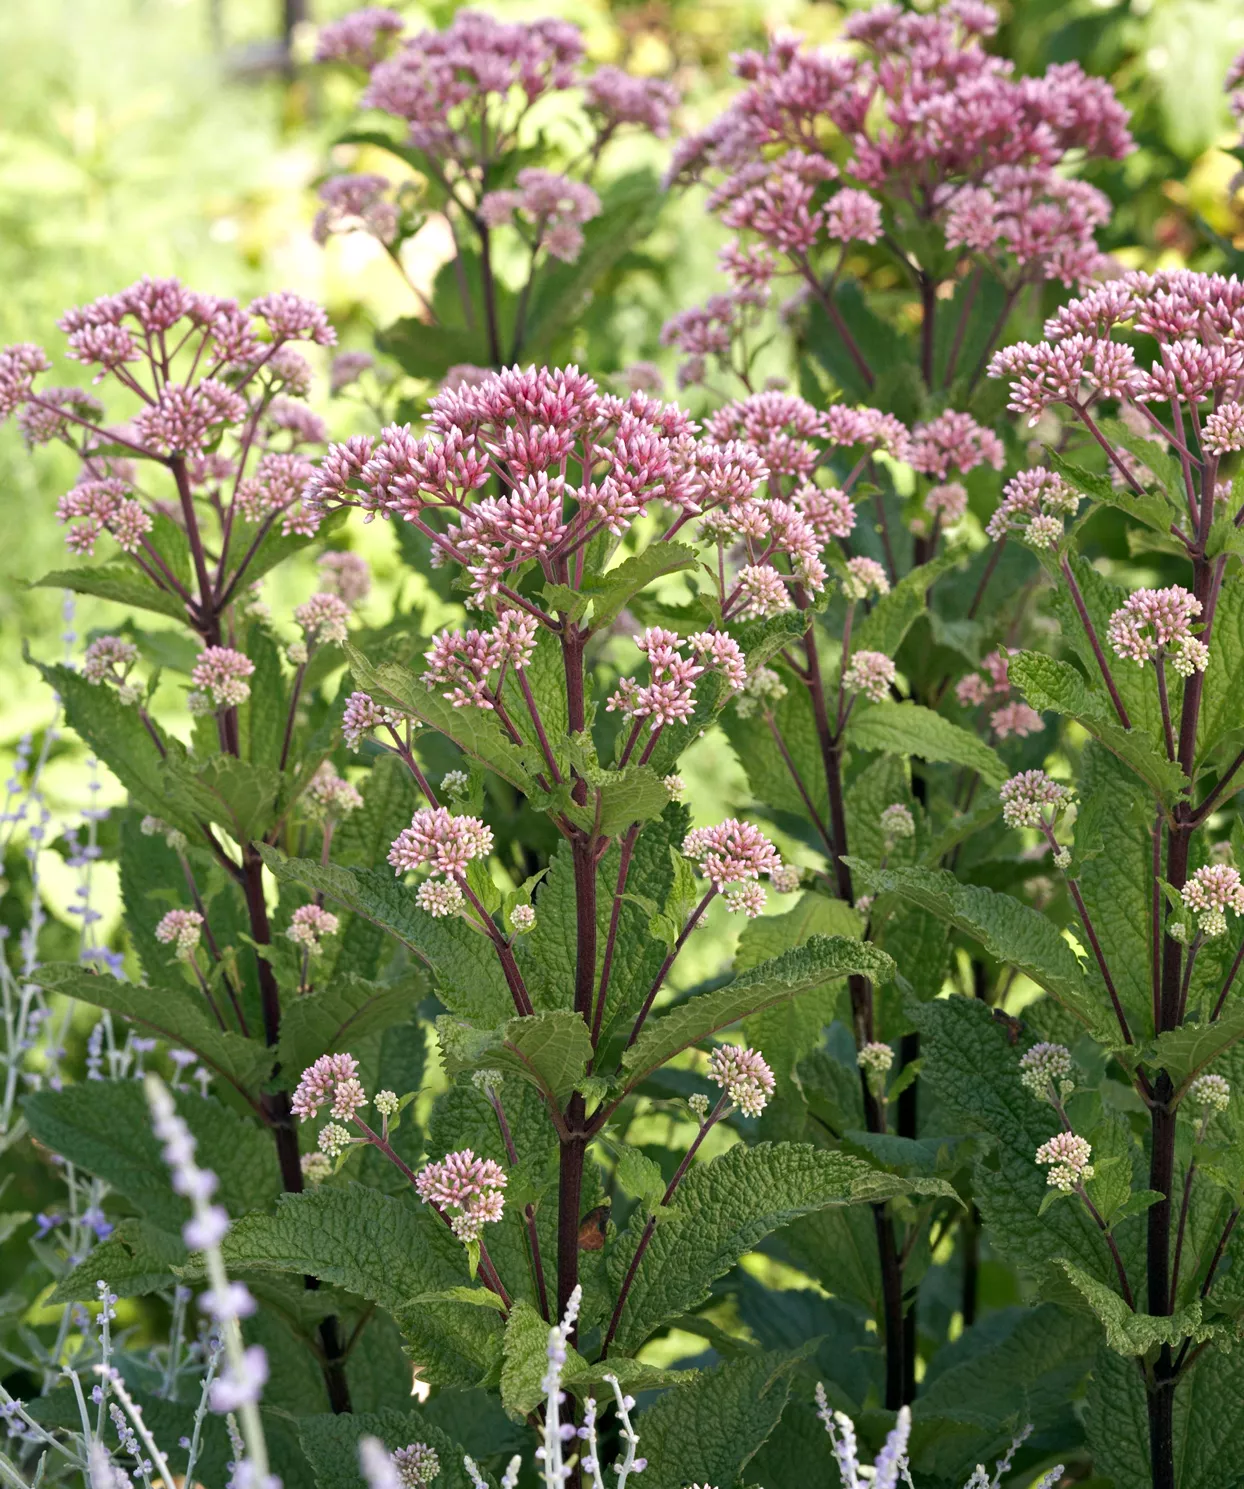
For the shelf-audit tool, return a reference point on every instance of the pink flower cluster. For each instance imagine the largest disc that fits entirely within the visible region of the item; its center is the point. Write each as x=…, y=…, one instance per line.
x=222, y=672
x=1031, y=799
x=328, y=794
x=919, y=118
x=108, y=659
x=361, y=715
x=1012, y=718
x=621, y=98
x=732, y=856
x=324, y=618
x=524, y=428
x=346, y=574
x=333, y=1078
x=180, y=929
x=1156, y=623
x=360, y=38
x=93, y=507
x=1034, y=504
x=553, y=207
x=669, y=695
x=214, y=382
x=460, y=664
x=463, y=90
x=445, y=843
x=871, y=673
x=1210, y=893
x=1196, y=319
x=469, y=1185
x=356, y=204
x=1069, y=1156
x=953, y=441
x=743, y=1075
x=309, y=924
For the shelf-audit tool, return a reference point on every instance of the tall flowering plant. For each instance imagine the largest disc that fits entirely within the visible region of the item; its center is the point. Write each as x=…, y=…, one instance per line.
x=505, y=128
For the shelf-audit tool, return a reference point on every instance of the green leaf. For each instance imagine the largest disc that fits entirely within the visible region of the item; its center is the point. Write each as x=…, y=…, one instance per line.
x=331, y=1444
x=639, y=1176
x=1113, y=857
x=115, y=733
x=1009, y=930
x=428, y=351
x=104, y=1127
x=238, y=795
x=338, y=1015
x=469, y=977
x=617, y=799
x=136, y=1259
x=793, y=1028
x=172, y=1013
x=551, y=1050
x=388, y=1249
x=723, y=1209
x=615, y=589
x=885, y=626
x=794, y=972
x=971, y=1069
x=768, y=775
x=1224, y=677
x=1050, y=684
x=910, y=729
x=1187, y=1051
x=710, y=1430
x=119, y=582
x=1129, y=1333
x=1155, y=512
x=475, y=732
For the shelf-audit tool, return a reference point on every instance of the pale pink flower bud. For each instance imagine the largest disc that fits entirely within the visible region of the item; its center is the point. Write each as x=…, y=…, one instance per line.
x=324, y=618
x=865, y=577
x=319, y=1082
x=1015, y=719
x=871, y=673
x=222, y=673
x=1027, y=796
x=442, y=841
x=180, y=929
x=1069, y=1156
x=743, y=1075
x=309, y=924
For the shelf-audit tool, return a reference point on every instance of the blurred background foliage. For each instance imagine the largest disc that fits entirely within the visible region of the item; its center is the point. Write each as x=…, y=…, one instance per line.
x=186, y=137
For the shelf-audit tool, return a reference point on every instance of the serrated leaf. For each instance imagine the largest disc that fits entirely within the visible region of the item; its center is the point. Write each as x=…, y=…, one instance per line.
x=723, y=1209
x=1187, y=1051
x=885, y=626
x=551, y=1050
x=711, y=1429
x=638, y=1175
x=121, y=583
x=331, y=1444
x=104, y=1127
x=616, y=800
x=1129, y=1333
x=469, y=977
x=1151, y=510
x=234, y=793
x=1047, y=683
x=794, y=972
x=972, y=1071
x=171, y=1013
x=1224, y=677
x=388, y=1249
x=911, y=729
x=1009, y=930
x=339, y=1014
x=116, y=735
x=475, y=732
x=614, y=590
x=136, y=1259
